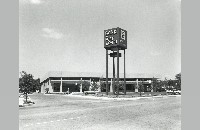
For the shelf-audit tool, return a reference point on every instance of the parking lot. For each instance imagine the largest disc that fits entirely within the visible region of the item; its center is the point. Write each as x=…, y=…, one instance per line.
x=61, y=112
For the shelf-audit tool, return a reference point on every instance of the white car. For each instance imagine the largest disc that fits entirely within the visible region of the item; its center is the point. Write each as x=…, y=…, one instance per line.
x=178, y=92
x=21, y=102
x=169, y=91
x=23, y=98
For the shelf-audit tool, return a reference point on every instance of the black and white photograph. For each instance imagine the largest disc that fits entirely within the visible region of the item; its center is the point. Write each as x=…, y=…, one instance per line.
x=99, y=65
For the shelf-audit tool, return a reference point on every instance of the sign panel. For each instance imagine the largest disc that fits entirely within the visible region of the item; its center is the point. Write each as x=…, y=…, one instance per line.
x=115, y=37
x=114, y=54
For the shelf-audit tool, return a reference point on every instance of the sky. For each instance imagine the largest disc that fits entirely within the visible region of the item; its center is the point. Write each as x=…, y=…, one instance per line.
x=68, y=35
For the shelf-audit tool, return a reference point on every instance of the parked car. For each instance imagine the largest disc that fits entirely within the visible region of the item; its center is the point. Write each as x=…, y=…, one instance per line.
x=23, y=97
x=90, y=92
x=21, y=102
x=178, y=92
x=175, y=92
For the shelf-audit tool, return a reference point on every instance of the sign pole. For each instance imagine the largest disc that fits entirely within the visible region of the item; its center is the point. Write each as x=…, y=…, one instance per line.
x=106, y=72
x=117, y=71
x=124, y=75
x=113, y=87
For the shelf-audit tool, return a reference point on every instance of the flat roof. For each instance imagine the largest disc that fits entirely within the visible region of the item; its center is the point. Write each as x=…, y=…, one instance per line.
x=96, y=74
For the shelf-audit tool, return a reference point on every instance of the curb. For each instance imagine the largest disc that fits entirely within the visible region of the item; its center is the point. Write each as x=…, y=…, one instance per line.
x=174, y=95
x=135, y=98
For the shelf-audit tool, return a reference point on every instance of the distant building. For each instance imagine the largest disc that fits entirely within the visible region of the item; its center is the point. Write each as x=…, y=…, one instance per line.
x=61, y=81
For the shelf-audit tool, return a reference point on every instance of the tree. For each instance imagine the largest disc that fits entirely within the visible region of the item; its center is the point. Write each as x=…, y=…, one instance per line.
x=165, y=83
x=94, y=86
x=155, y=84
x=116, y=85
x=26, y=82
x=160, y=86
x=102, y=84
x=141, y=86
x=46, y=90
x=171, y=84
x=85, y=85
x=178, y=78
x=36, y=85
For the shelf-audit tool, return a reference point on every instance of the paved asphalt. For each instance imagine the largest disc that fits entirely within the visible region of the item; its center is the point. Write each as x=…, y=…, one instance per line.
x=60, y=112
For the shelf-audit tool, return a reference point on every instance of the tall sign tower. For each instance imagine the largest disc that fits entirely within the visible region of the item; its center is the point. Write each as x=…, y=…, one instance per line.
x=115, y=39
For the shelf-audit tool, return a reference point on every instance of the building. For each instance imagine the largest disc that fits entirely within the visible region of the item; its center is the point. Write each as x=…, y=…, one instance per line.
x=61, y=81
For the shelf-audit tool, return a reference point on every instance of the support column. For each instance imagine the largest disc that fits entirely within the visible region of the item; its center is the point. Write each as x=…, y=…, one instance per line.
x=50, y=86
x=106, y=72
x=117, y=71
x=111, y=85
x=151, y=85
x=61, y=85
x=136, y=88
x=42, y=88
x=151, y=88
x=81, y=86
x=90, y=84
x=99, y=89
x=124, y=75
